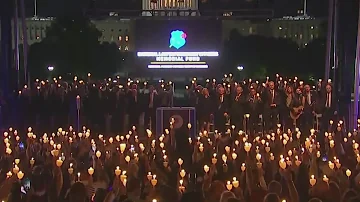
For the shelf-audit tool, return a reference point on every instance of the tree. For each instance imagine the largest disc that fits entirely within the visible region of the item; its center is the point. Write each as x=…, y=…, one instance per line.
x=72, y=46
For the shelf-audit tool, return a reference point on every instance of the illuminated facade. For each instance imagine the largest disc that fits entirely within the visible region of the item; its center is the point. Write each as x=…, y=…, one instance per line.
x=297, y=29
x=169, y=4
x=121, y=31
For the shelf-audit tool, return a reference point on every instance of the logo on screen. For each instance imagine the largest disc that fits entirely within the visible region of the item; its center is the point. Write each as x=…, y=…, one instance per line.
x=177, y=39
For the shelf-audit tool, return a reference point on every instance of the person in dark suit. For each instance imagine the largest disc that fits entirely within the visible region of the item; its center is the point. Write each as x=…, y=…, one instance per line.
x=309, y=108
x=134, y=106
x=272, y=102
x=221, y=113
x=206, y=106
x=152, y=102
x=238, y=106
x=254, y=107
x=329, y=104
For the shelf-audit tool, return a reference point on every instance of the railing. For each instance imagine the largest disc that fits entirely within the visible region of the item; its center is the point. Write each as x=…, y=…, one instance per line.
x=181, y=13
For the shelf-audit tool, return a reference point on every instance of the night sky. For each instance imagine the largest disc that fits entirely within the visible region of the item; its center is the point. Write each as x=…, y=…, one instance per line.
x=317, y=8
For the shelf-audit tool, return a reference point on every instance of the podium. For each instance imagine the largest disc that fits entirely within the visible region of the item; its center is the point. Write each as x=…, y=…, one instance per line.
x=182, y=116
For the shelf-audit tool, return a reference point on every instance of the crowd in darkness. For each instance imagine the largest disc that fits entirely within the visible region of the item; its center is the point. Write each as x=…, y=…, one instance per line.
x=103, y=105
x=257, y=141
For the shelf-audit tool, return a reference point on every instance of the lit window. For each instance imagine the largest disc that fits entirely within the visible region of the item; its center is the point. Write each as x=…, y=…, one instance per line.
x=250, y=30
x=120, y=38
x=37, y=37
x=126, y=48
x=295, y=35
x=305, y=44
x=312, y=27
x=280, y=28
x=126, y=38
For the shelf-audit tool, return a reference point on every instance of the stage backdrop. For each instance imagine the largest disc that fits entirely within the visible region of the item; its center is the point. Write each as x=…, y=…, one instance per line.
x=177, y=44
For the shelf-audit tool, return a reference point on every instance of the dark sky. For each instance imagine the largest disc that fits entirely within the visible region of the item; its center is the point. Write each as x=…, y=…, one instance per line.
x=317, y=8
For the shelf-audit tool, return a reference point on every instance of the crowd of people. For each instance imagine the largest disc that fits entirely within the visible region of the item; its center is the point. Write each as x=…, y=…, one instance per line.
x=256, y=142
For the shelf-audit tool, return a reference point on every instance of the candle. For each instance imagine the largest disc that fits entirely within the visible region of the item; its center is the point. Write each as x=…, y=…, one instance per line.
x=348, y=173
x=117, y=171
x=235, y=182
x=182, y=173
x=20, y=175
x=123, y=176
x=312, y=180
x=17, y=161
x=181, y=186
x=78, y=174
x=59, y=162
x=98, y=154
x=149, y=176
x=70, y=169
x=243, y=167
x=91, y=171
x=229, y=185
x=206, y=168
x=180, y=162
x=153, y=181
x=325, y=179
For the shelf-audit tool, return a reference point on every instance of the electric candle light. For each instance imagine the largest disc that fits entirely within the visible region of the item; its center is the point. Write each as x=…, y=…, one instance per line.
x=91, y=171
x=71, y=169
x=127, y=159
x=20, y=175
x=182, y=173
x=312, y=180
x=180, y=162
x=123, y=176
x=229, y=186
x=181, y=186
x=206, y=168
x=243, y=167
x=234, y=156
x=325, y=179
x=32, y=161
x=214, y=159
x=59, y=162
x=235, y=182
x=282, y=163
x=348, y=173
x=117, y=171
x=149, y=176
x=98, y=154
x=224, y=158
x=247, y=147
x=297, y=161
x=9, y=174
x=153, y=181
x=16, y=169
